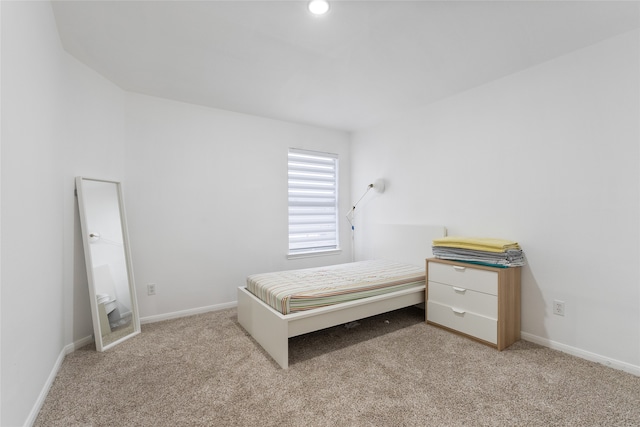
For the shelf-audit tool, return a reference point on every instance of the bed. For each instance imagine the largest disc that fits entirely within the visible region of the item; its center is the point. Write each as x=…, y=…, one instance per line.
x=392, y=279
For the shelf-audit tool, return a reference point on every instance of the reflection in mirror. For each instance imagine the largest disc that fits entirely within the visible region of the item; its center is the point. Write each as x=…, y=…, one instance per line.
x=111, y=287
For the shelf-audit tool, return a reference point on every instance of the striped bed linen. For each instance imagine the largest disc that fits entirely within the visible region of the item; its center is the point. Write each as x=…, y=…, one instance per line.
x=299, y=290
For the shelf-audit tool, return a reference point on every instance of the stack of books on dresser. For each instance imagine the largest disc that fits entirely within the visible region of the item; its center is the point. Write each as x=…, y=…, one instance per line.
x=479, y=250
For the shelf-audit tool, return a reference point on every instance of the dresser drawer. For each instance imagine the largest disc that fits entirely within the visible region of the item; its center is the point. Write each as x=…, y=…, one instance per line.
x=464, y=277
x=464, y=299
x=481, y=327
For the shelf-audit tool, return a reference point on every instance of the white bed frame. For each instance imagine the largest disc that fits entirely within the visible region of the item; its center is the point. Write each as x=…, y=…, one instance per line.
x=272, y=329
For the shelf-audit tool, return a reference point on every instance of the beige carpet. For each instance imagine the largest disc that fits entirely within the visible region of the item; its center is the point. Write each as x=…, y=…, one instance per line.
x=390, y=370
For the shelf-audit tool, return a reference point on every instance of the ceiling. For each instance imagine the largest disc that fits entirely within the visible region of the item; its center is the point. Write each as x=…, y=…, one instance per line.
x=362, y=62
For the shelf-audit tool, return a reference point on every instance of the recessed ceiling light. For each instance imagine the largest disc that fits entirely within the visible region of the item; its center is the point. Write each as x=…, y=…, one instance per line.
x=318, y=7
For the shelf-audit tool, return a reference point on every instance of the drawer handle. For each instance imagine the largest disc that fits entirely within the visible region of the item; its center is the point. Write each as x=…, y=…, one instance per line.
x=461, y=290
x=459, y=268
x=458, y=311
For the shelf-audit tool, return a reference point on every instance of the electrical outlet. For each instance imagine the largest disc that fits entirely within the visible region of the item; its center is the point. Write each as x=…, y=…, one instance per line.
x=151, y=289
x=558, y=307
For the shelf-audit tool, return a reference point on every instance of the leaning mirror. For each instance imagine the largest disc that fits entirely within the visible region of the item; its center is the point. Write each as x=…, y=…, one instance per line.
x=106, y=252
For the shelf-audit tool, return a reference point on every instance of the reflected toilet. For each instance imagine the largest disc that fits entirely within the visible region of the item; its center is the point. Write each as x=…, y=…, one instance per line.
x=106, y=296
x=109, y=303
x=106, y=306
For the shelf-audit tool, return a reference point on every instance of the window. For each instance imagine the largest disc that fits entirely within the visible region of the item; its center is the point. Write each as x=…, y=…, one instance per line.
x=313, y=201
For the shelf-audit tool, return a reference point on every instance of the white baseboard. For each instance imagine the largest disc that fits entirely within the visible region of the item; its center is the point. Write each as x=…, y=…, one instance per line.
x=185, y=313
x=52, y=376
x=583, y=354
x=78, y=344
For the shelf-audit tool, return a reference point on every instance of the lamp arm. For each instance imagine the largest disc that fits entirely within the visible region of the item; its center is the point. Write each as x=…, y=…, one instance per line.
x=353, y=208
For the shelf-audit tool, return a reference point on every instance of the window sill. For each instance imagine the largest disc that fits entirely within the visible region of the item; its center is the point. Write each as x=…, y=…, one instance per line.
x=311, y=254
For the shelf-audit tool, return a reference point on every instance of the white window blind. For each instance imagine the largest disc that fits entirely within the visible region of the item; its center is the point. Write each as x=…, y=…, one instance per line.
x=313, y=201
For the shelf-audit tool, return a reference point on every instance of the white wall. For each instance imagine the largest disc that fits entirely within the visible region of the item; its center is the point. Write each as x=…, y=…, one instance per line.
x=59, y=119
x=548, y=157
x=206, y=195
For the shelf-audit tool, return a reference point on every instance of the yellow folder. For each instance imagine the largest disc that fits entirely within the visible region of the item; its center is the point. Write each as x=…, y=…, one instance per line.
x=477, y=243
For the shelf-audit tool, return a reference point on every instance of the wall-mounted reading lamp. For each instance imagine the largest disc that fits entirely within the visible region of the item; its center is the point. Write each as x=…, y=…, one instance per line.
x=378, y=186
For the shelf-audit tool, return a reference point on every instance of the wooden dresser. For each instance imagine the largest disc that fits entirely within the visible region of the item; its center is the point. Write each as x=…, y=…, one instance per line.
x=477, y=301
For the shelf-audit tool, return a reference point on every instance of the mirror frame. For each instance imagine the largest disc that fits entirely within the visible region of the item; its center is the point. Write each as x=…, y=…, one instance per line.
x=135, y=319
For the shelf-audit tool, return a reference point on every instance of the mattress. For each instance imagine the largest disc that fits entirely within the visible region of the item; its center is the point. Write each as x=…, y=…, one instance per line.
x=298, y=290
